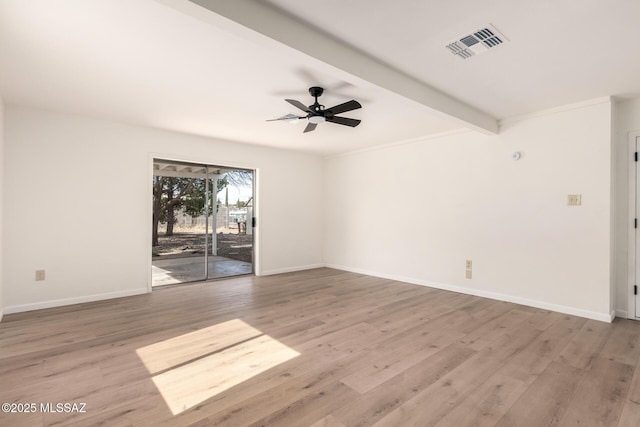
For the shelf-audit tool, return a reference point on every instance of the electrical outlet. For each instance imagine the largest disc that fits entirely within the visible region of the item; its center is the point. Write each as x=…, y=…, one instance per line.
x=469, y=264
x=469, y=274
x=39, y=275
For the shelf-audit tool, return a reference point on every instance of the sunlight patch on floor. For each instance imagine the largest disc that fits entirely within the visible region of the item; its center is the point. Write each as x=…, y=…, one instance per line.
x=184, y=348
x=194, y=367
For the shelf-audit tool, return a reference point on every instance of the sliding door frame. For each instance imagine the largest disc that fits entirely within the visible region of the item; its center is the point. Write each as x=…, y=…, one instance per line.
x=200, y=161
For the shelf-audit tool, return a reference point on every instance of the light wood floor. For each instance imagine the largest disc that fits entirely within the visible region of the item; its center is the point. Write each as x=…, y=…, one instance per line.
x=322, y=348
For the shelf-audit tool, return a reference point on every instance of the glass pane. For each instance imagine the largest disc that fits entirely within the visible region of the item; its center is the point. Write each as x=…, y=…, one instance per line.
x=231, y=251
x=178, y=225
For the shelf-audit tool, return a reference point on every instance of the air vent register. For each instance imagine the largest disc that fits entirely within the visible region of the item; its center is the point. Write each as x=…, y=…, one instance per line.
x=478, y=42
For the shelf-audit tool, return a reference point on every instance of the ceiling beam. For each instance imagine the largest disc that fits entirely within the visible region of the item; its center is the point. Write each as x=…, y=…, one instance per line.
x=249, y=16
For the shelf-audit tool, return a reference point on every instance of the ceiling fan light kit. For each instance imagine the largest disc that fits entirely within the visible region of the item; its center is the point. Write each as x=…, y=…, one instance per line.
x=317, y=113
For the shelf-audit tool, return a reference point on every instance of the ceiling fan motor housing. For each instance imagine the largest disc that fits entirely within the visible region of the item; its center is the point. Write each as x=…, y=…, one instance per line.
x=316, y=91
x=316, y=113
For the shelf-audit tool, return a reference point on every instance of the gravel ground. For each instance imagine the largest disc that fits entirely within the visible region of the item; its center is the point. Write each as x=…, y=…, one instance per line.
x=188, y=243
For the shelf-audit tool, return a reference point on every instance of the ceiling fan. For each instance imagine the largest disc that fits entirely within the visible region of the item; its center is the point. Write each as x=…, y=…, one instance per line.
x=316, y=113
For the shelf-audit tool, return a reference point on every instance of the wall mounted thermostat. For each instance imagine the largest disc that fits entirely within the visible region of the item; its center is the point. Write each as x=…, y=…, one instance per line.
x=516, y=155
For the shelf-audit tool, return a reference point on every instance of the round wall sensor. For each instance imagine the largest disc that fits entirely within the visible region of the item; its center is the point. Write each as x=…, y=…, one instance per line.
x=516, y=155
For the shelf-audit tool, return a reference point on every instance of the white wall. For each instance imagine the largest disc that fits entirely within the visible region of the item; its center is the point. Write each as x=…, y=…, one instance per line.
x=1, y=200
x=462, y=196
x=77, y=204
x=456, y=197
x=627, y=120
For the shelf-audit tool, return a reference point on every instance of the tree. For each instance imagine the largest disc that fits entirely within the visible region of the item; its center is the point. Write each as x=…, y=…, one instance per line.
x=195, y=200
x=158, y=184
x=176, y=190
x=171, y=193
x=168, y=194
x=239, y=178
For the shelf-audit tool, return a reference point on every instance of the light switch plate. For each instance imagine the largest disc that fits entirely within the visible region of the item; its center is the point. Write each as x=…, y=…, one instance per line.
x=574, y=199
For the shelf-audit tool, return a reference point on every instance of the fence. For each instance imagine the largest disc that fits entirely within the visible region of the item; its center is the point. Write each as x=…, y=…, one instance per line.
x=225, y=218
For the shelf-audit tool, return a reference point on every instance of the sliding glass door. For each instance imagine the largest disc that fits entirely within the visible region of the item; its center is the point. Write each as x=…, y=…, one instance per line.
x=231, y=243
x=198, y=233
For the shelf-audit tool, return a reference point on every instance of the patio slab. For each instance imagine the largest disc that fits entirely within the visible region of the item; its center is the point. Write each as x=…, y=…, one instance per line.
x=188, y=269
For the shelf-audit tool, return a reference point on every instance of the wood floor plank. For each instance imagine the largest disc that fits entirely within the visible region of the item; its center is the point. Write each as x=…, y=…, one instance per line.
x=586, y=345
x=630, y=416
x=545, y=402
x=318, y=388
x=187, y=385
x=600, y=395
x=433, y=403
x=406, y=355
x=328, y=421
x=487, y=404
x=623, y=344
x=542, y=319
x=495, y=328
x=546, y=347
x=319, y=347
x=309, y=409
x=492, y=399
x=21, y=419
x=377, y=403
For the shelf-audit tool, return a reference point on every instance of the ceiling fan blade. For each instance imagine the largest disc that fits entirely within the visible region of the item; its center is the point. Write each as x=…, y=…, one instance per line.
x=344, y=121
x=298, y=104
x=310, y=127
x=347, y=106
x=286, y=117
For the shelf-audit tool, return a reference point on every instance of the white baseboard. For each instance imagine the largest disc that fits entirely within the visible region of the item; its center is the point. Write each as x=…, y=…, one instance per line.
x=75, y=300
x=623, y=314
x=290, y=269
x=120, y=294
x=603, y=317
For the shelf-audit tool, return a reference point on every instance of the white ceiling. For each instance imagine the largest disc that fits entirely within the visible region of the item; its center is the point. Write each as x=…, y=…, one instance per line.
x=151, y=63
x=560, y=51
